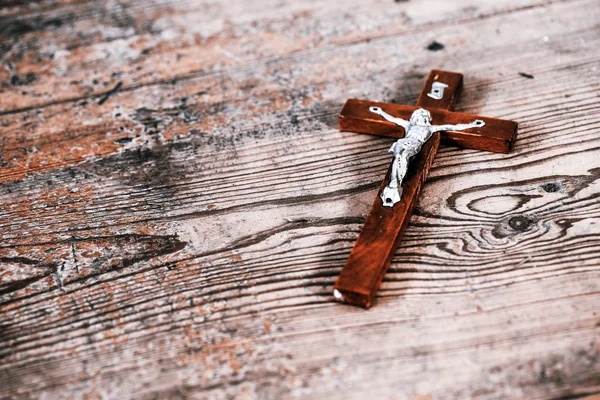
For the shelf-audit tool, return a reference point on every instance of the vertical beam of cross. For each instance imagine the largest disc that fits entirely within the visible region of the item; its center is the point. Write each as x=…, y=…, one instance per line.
x=384, y=228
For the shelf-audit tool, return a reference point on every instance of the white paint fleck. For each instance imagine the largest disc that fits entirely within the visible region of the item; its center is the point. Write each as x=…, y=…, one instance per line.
x=337, y=294
x=227, y=53
x=117, y=51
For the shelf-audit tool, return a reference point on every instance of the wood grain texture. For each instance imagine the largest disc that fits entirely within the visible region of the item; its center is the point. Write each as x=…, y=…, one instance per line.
x=384, y=227
x=181, y=239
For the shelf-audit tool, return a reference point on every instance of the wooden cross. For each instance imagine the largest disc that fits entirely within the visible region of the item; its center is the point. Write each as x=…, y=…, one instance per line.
x=385, y=226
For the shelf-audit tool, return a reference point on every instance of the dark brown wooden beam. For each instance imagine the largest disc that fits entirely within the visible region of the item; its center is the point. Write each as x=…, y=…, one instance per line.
x=382, y=233
x=497, y=135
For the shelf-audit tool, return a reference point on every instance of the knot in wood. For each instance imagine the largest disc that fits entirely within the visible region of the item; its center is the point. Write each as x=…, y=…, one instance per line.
x=519, y=223
x=552, y=187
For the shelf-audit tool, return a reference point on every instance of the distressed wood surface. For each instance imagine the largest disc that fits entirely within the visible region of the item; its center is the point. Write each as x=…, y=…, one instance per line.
x=177, y=201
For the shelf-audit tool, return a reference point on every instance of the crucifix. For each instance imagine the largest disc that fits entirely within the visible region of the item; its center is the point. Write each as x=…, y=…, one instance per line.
x=418, y=130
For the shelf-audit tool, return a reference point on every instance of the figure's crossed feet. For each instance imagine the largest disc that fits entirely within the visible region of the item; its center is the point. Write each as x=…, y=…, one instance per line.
x=391, y=196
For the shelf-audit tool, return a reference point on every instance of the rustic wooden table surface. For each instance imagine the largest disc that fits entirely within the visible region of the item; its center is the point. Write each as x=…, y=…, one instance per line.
x=177, y=201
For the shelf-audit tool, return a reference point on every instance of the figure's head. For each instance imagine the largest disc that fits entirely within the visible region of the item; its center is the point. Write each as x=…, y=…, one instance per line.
x=420, y=117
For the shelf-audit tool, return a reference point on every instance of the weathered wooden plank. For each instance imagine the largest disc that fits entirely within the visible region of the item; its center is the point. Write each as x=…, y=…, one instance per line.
x=192, y=107
x=80, y=50
x=124, y=166
x=124, y=221
x=493, y=294
x=179, y=127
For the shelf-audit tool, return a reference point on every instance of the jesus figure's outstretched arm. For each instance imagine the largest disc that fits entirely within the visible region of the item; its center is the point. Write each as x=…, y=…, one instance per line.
x=398, y=121
x=458, y=127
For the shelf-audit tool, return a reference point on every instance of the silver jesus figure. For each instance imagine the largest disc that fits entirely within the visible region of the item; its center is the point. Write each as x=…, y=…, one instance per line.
x=417, y=131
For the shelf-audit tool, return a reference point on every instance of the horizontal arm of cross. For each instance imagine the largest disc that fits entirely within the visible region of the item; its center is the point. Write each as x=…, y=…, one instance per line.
x=497, y=135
